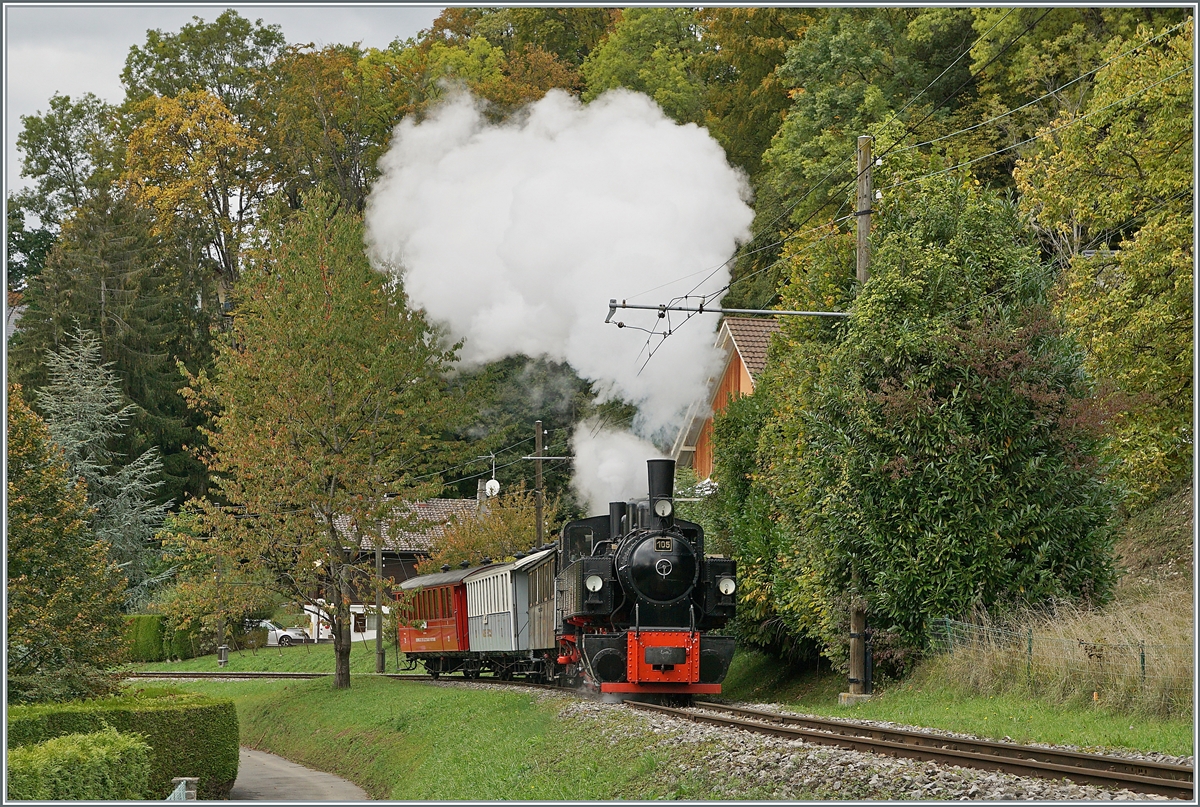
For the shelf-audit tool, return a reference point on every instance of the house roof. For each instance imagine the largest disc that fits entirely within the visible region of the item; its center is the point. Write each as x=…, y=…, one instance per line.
x=429, y=518
x=751, y=338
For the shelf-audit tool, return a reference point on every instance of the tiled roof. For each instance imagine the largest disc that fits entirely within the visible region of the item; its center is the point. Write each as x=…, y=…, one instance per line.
x=750, y=338
x=429, y=520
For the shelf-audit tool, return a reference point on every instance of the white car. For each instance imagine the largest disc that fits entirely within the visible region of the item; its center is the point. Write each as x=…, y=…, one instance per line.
x=283, y=637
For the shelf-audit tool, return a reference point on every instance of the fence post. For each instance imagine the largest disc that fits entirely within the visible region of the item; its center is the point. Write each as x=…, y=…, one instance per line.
x=1142, y=653
x=1029, y=661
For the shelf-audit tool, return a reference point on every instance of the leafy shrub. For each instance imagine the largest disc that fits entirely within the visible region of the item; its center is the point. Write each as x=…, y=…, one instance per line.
x=188, y=735
x=938, y=451
x=68, y=681
x=105, y=765
x=146, y=636
x=182, y=643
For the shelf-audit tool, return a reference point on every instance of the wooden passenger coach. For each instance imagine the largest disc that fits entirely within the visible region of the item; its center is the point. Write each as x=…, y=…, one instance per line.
x=435, y=619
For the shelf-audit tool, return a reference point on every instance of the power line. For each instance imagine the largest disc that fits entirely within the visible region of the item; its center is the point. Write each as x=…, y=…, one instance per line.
x=826, y=178
x=1040, y=134
x=1091, y=72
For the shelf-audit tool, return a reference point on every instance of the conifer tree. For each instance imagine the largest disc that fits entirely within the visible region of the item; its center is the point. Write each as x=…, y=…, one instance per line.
x=64, y=622
x=85, y=413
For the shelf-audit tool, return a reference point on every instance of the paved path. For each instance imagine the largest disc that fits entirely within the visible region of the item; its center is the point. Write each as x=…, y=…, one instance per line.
x=266, y=777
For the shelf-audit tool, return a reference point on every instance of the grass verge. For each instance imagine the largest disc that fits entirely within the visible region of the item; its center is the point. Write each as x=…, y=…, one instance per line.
x=297, y=658
x=926, y=699
x=404, y=740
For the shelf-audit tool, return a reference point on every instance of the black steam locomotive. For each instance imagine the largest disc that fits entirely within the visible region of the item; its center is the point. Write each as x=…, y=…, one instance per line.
x=626, y=602
x=638, y=598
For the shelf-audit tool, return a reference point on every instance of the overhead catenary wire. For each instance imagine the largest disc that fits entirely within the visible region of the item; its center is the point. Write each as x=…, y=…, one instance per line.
x=788, y=209
x=1040, y=134
x=1039, y=99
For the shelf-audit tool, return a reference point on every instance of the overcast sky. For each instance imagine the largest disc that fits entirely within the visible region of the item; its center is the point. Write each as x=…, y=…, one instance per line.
x=78, y=49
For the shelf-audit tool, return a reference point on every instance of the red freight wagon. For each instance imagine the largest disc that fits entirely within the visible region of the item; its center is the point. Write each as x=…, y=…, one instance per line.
x=435, y=619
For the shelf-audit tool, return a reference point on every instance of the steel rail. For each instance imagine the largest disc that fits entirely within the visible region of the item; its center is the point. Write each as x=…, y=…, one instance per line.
x=931, y=748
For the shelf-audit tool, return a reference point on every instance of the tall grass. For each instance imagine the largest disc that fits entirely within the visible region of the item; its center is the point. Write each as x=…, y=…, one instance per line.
x=1134, y=657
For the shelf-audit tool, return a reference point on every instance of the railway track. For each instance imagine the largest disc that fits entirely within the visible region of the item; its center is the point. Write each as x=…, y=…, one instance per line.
x=1112, y=773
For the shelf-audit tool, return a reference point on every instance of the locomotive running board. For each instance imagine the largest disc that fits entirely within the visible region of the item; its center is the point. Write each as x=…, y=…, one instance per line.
x=670, y=689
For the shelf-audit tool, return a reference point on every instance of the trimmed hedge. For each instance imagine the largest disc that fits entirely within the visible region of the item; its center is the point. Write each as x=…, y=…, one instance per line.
x=146, y=636
x=105, y=765
x=151, y=639
x=180, y=644
x=188, y=734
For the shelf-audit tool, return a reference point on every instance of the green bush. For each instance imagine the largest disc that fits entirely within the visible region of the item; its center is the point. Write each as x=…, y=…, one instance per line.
x=189, y=735
x=181, y=643
x=104, y=765
x=146, y=636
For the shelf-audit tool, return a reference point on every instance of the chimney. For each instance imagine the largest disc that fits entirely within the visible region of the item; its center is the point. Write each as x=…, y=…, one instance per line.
x=481, y=496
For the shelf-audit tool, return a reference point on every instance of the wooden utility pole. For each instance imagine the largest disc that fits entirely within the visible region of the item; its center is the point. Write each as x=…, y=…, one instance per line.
x=380, y=655
x=858, y=612
x=863, y=209
x=538, y=497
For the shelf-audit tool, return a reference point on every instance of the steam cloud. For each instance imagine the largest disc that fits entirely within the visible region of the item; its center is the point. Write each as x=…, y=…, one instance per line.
x=516, y=235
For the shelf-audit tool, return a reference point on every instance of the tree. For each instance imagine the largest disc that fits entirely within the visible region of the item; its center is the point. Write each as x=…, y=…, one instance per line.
x=85, y=412
x=327, y=399
x=332, y=118
x=939, y=450
x=69, y=152
x=504, y=526
x=64, y=621
x=745, y=98
x=198, y=168
x=569, y=34
x=24, y=248
x=1111, y=193
x=653, y=51
x=150, y=303
x=225, y=58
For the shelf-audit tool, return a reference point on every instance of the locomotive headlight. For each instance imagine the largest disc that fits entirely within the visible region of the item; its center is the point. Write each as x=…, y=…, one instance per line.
x=594, y=583
x=663, y=508
x=726, y=586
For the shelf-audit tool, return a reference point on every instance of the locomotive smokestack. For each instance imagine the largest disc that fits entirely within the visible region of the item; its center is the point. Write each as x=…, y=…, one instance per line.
x=662, y=491
x=616, y=520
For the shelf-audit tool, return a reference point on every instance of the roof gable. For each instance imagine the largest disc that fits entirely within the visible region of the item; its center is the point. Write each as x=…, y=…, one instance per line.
x=751, y=338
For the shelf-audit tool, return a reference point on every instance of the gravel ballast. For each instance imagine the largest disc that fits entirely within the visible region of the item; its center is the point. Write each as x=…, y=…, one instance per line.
x=744, y=765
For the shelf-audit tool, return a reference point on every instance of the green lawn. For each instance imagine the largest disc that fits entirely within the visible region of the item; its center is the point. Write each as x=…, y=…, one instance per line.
x=297, y=658
x=757, y=677
x=413, y=741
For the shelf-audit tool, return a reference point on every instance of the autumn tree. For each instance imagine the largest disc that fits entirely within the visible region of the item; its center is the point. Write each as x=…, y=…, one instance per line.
x=745, y=97
x=327, y=397
x=1111, y=192
x=332, y=116
x=198, y=168
x=64, y=622
x=504, y=525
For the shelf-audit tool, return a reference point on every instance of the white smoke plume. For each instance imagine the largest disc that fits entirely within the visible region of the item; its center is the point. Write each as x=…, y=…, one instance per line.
x=610, y=466
x=516, y=235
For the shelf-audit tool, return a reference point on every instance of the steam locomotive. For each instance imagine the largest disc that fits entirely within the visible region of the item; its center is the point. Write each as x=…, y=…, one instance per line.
x=626, y=603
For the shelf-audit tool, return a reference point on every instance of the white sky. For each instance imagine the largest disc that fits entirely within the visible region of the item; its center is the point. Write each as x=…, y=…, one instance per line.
x=75, y=49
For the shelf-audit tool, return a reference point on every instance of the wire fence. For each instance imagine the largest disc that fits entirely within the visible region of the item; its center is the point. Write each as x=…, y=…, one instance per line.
x=1143, y=675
